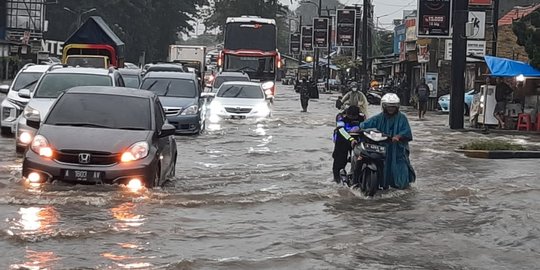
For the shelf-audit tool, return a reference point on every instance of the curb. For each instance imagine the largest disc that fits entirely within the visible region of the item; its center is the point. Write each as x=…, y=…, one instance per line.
x=484, y=154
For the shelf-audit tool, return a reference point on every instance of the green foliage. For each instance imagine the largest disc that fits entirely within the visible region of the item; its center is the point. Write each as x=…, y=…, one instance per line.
x=384, y=43
x=492, y=145
x=527, y=31
x=344, y=62
x=144, y=25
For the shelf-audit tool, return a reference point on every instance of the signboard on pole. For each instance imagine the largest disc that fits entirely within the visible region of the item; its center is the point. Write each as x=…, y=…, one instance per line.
x=423, y=54
x=478, y=18
x=346, y=28
x=320, y=33
x=294, y=43
x=307, y=38
x=434, y=18
x=432, y=80
x=475, y=47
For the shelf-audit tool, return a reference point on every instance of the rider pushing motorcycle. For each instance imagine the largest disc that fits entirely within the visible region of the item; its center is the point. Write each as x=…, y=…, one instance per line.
x=398, y=171
x=347, y=122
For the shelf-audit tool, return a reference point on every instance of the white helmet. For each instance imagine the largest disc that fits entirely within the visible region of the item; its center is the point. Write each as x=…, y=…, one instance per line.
x=390, y=100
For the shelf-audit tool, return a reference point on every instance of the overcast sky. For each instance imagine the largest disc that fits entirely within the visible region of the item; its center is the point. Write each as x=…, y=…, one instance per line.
x=386, y=10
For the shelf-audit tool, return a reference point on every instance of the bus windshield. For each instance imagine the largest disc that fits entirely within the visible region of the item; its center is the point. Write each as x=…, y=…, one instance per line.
x=250, y=36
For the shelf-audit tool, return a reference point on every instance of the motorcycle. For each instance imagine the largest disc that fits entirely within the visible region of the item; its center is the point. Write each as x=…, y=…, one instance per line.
x=367, y=162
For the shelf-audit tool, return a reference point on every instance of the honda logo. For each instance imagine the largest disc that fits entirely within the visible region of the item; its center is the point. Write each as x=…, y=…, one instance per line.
x=84, y=158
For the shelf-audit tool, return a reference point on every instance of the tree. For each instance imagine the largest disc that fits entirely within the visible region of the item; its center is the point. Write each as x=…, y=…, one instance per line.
x=527, y=31
x=143, y=25
x=384, y=43
x=308, y=11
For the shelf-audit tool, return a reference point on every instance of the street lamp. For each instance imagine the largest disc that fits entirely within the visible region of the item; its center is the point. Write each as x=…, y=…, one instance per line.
x=79, y=14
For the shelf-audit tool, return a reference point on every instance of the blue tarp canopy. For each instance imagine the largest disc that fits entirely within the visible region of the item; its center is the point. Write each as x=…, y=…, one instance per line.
x=502, y=67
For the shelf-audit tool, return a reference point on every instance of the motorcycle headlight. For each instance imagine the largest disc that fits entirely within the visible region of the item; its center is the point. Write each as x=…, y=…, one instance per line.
x=30, y=112
x=41, y=146
x=191, y=110
x=136, y=152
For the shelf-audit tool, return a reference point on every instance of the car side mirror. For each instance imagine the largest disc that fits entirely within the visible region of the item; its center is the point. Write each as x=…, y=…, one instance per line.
x=167, y=130
x=34, y=122
x=208, y=94
x=24, y=93
x=4, y=89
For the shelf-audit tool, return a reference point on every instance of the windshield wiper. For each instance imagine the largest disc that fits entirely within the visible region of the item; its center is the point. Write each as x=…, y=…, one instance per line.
x=152, y=85
x=225, y=91
x=82, y=125
x=28, y=85
x=167, y=89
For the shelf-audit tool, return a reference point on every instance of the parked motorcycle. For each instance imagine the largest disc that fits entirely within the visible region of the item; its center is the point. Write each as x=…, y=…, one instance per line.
x=367, y=162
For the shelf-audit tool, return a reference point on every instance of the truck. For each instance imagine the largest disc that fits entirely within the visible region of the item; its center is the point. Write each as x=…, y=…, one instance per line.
x=94, y=44
x=193, y=57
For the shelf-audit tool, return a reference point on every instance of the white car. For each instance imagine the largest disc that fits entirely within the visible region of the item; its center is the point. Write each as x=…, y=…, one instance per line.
x=13, y=105
x=239, y=100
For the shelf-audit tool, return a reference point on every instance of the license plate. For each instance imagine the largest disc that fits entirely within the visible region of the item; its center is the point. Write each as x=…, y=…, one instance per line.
x=376, y=148
x=238, y=117
x=83, y=176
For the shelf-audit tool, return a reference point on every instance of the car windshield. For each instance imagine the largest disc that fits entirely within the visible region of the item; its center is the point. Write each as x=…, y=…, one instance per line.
x=101, y=111
x=221, y=79
x=26, y=80
x=131, y=81
x=170, y=87
x=240, y=91
x=53, y=84
x=91, y=62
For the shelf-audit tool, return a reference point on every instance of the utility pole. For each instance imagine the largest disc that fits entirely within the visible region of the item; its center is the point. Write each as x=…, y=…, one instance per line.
x=299, y=53
x=317, y=51
x=495, y=27
x=328, y=59
x=365, y=45
x=459, y=62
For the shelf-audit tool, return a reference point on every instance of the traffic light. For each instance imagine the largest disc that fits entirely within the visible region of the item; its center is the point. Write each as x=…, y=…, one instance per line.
x=346, y=28
x=294, y=44
x=307, y=38
x=320, y=33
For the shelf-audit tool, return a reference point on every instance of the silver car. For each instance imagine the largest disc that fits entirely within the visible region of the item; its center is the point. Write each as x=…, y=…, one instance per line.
x=13, y=105
x=55, y=81
x=239, y=100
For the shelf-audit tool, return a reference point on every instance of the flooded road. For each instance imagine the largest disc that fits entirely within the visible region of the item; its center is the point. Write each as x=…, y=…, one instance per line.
x=260, y=196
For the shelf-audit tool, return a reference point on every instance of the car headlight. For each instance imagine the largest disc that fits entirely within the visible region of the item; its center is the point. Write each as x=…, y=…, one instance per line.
x=191, y=110
x=261, y=109
x=268, y=85
x=136, y=151
x=216, y=107
x=30, y=112
x=41, y=146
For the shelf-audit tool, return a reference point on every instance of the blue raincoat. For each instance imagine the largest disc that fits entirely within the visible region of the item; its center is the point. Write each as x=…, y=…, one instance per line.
x=398, y=171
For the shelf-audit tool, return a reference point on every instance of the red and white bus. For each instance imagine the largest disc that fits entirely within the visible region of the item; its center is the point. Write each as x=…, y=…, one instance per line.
x=250, y=46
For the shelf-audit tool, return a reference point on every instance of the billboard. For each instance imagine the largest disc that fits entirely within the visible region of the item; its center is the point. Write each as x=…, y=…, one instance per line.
x=346, y=28
x=25, y=15
x=434, y=18
x=399, y=36
x=307, y=38
x=320, y=33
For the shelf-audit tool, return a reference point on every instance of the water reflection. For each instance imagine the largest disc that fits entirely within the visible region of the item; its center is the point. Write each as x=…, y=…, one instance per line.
x=35, y=220
x=126, y=216
x=37, y=260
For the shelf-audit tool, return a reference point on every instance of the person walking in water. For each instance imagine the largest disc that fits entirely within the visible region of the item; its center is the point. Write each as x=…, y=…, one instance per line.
x=304, y=94
x=422, y=93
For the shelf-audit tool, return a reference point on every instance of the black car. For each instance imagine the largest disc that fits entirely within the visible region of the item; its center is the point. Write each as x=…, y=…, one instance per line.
x=88, y=138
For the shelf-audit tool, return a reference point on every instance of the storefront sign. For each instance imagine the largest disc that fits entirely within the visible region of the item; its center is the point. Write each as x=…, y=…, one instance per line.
x=432, y=80
x=434, y=18
x=474, y=47
x=52, y=47
x=399, y=36
x=410, y=32
x=423, y=54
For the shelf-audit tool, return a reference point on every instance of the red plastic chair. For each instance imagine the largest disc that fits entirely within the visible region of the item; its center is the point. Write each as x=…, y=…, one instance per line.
x=524, y=122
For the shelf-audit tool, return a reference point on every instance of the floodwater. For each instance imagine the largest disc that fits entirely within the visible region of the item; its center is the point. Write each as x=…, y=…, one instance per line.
x=259, y=195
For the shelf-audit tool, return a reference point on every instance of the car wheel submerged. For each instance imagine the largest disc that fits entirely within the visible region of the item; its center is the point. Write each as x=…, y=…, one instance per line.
x=154, y=182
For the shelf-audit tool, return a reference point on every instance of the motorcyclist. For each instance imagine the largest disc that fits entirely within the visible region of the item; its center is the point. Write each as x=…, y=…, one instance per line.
x=398, y=171
x=346, y=122
x=356, y=98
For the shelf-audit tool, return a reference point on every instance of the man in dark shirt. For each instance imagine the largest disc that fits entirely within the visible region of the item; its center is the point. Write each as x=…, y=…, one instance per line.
x=422, y=92
x=502, y=91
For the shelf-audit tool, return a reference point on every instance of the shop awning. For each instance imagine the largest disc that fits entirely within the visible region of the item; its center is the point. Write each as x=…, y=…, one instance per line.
x=502, y=67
